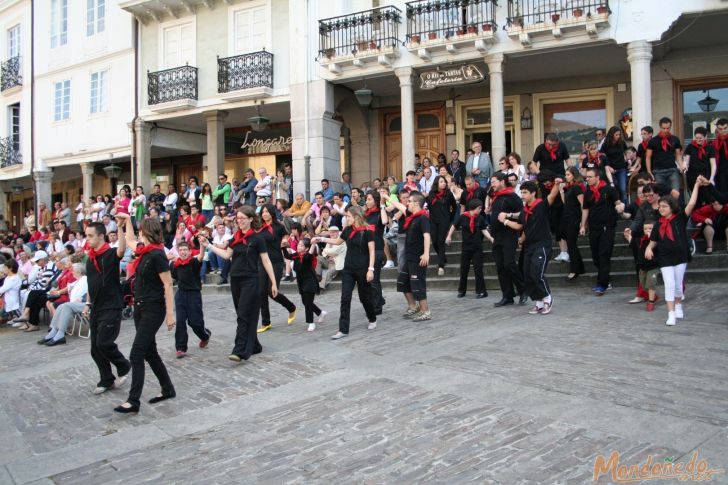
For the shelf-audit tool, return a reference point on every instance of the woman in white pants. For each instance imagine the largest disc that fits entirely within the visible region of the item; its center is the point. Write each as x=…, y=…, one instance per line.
x=669, y=243
x=66, y=311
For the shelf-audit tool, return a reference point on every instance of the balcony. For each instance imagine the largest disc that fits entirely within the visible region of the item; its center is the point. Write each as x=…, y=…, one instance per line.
x=10, y=152
x=246, y=76
x=10, y=74
x=450, y=25
x=531, y=17
x=172, y=89
x=360, y=39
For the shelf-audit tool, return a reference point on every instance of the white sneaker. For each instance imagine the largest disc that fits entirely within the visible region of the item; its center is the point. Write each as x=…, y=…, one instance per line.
x=565, y=258
x=389, y=265
x=311, y=327
x=120, y=381
x=372, y=325
x=338, y=335
x=559, y=257
x=100, y=390
x=440, y=271
x=678, y=311
x=671, y=320
x=18, y=324
x=322, y=317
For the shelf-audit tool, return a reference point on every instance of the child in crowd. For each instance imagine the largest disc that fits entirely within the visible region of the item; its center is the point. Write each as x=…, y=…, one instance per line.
x=188, y=300
x=305, y=260
x=473, y=228
x=648, y=268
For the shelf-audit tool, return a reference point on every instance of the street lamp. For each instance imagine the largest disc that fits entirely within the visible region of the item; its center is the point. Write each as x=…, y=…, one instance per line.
x=17, y=188
x=708, y=104
x=258, y=122
x=113, y=171
x=364, y=95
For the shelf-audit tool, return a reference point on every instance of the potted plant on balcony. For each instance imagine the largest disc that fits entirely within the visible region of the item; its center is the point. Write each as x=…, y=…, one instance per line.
x=555, y=17
x=472, y=29
x=602, y=9
x=487, y=27
x=578, y=12
x=415, y=39
x=330, y=52
x=429, y=25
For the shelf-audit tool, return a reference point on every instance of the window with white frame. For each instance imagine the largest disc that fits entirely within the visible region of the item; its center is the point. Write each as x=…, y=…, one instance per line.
x=14, y=125
x=62, y=100
x=99, y=91
x=95, y=17
x=178, y=44
x=250, y=29
x=59, y=23
x=14, y=41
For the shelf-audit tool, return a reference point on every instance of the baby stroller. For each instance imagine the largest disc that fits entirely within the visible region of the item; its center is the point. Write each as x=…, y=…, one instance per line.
x=127, y=293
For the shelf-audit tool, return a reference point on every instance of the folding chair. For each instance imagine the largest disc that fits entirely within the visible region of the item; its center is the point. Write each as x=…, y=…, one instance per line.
x=81, y=320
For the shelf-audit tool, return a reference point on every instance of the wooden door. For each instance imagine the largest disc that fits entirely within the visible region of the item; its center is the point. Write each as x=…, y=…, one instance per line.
x=184, y=172
x=429, y=139
x=429, y=143
x=392, y=164
x=16, y=215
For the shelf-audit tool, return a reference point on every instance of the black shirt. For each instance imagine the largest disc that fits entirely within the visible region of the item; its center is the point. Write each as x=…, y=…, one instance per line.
x=642, y=153
x=305, y=273
x=375, y=219
x=661, y=159
x=599, y=163
x=246, y=257
x=105, y=287
x=536, y=227
x=543, y=157
x=696, y=165
x=357, y=249
x=504, y=203
x=615, y=155
x=472, y=240
x=443, y=209
x=643, y=263
x=572, y=207
x=672, y=253
x=479, y=193
x=188, y=276
x=602, y=212
x=148, y=286
x=273, y=238
x=414, y=244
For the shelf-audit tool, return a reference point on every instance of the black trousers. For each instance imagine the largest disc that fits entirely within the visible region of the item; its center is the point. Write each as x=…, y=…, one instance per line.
x=376, y=284
x=311, y=307
x=349, y=279
x=105, y=326
x=721, y=179
x=509, y=276
x=576, y=263
x=535, y=261
x=265, y=287
x=188, y=307
x=35, y=303
x=439, y=230
x=246, y=298
x=474, y=256
x=601, y=242
x=148, y=317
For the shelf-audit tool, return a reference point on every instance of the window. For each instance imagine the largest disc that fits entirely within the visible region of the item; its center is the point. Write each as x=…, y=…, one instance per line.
x=179, y=45
x=99, y=91
x=62, y=99
x=59, y=23
x=703, y=107
x=95, y=17
x=14, y=41
x=250, y=30
x=14, y=125
x=575, y=121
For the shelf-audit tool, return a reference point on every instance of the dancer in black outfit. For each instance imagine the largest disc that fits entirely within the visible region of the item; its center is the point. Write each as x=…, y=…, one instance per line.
x=305, y=261
x=442, y=206
x=505, y=204
x=572, y=195
x=104, y=303
x=473, y=227
x=273, y=233
x=247, y=251
x=378, y=219
x=153, y=305
x=188, y=300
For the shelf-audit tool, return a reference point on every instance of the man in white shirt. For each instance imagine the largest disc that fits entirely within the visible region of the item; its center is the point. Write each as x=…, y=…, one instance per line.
x=113, y=239
x=80, y=214
x=263, y=188
x=221, y=240
x=109, y=223
x=426, y=181
x=98, y=209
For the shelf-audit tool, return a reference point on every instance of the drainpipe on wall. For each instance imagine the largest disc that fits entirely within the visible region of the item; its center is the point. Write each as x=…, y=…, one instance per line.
x=135, y=48
x=36, y=199
x=306, y=156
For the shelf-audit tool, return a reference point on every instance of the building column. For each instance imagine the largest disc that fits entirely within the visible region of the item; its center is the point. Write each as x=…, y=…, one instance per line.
x=497, y=108
x=639, y=55
x=87, y=169
x=407, y=106
x=143, y=154
x=215, y=143
x=43, y=190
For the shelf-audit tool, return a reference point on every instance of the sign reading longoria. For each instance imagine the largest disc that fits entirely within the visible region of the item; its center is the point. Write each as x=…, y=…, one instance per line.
x=466, y=74
x=266, y=145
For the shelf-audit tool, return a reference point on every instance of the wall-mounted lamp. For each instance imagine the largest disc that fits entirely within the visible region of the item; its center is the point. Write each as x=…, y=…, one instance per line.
x=364, y=95
x=526, y=119
x=450, y=125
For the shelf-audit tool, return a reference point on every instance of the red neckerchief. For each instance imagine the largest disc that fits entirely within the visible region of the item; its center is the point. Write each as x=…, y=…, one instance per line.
x=553, y=150
x=644, y=144
x=182, y=262
x=721, y=143
x=93, y=254
x=439, y=195
x=666, y=227
x=408, y=220
x=528, y=209
x=241, y=238
x=472, y=218
x=596, y=195
x=373, y=210
x=548, y=185
x=700, y=147
x=580, y=184
x=644, y=239
x=264, y=227
x=665, y=140
x=597, y=161
x=299, y=257
x=357, y=230
x=140, y=252
x=506, y=191
x=471, y=192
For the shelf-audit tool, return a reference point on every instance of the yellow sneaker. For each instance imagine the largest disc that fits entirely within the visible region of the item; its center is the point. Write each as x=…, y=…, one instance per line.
x=265, y=328
x=292, y=317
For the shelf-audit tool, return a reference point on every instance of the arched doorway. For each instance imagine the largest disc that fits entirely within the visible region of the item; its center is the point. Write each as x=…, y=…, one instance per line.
x=429, y=138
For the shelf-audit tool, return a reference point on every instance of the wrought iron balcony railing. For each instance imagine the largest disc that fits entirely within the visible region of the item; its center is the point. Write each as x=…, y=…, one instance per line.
x=446, y=19
x=10, y=74
x=172, y=85
x=10, y=152
x=524, y=13
x=246, y=71
x=370, y=30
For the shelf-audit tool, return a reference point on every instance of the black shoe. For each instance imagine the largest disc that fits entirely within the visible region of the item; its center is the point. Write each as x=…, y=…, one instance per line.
x=51, y=343
x=523, y=299
x=504, y=302
x=43, y=341
x=461, y=295
x=222, y=282
x=481, y=295
x=162, y=397
x=123, y=410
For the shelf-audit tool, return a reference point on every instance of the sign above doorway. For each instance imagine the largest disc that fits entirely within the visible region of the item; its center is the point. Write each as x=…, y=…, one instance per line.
x=466, y=74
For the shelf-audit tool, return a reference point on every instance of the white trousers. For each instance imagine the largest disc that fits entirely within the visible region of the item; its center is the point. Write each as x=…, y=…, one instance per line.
x=673, y=276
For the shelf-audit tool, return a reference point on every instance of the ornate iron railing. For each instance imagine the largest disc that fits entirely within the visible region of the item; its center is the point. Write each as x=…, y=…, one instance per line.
x=370, y=30
x=246, y=71
x=10, y=73
x=172, y=84
x=9, y=152
x=522, y=13
x=445, y=19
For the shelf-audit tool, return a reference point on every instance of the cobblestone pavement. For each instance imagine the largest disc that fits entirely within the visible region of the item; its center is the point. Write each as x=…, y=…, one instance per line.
x=477, y=395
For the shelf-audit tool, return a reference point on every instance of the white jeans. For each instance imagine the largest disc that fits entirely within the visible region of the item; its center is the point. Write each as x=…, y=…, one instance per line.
x=673, y=278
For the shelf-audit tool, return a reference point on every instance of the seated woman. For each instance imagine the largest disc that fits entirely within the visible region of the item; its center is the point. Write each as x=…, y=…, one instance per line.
x=59, y=295
x=10, y=290
x=66, y=311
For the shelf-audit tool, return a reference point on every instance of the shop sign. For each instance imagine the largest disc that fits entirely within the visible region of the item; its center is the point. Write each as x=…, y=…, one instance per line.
x=466, y=74
x=266, y=145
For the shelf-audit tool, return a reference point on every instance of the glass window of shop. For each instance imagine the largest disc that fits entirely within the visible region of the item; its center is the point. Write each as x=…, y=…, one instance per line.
x=703, y=107
x=477, y=127
x=575, y=122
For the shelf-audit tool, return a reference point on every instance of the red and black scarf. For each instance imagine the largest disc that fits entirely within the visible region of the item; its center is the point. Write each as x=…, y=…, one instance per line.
x=268, y=226
x=666, y=227
x=373, y=210
x=408, y=220
x=552, y=151
x=357, y=230
x=439, y=196
x=700, y=147
x=94, y=254
x=528, y=209
x=644, y=144
x=471, y=192
x=595, y=190
x=240, y=238
x=140, y=252
x=665, y=140
x=506, y=191
x=721, y=143
x=597, y=161
x=472, y=218
x=184, y=262
x=299, y=257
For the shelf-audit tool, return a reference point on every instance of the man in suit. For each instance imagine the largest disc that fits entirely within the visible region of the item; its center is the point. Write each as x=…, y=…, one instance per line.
x=479, y=165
